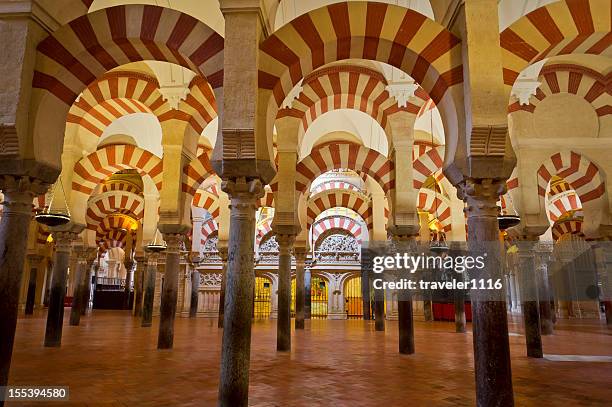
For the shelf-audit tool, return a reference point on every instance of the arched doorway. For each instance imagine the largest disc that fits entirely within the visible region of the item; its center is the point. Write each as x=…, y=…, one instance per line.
x=262, y=305
x=353, y=298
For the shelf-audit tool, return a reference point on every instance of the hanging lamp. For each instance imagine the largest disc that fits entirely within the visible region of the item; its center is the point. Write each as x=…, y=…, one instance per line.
x=156, y=246
x=50, y=217
x=438, y=243
x=506, y=220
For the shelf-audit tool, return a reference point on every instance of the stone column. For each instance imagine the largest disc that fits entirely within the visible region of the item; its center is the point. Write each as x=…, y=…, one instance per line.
x=283, y=323
x=169, y=293
x=195, y=293
x=89, y=272
x=379, y=309
x=149, y=290
x=34, y=261
x=139, y=277
x=490, y=324
x=48, y=278
x=529, y=293
x=79, y=281
x=365, y=295
x=307, y=293
x=240, y=284
x=129, y=266
x=405, y=242
x=14, y=228
x=543, y=291
x=300, y=259
x=55, y=315
x=223, y=255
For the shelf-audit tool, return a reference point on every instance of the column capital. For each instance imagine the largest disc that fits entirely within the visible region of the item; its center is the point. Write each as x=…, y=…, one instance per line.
x=63, y=240
x=404, y=233
x=300, y=254
x=19, y=192
x=243, y=192
x=285, y=243
x=223, y=252
x=173, y=242
x=481, y=195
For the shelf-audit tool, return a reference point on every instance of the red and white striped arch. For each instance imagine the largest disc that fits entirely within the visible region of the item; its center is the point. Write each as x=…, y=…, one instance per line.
x=208, y=201
x=559, y=28
x=209, y=228
x=120, y=186
x=583, y=175
x=428, y=164
x=100, y=206
x=366, y=30
x=115, y=222
x=263, y=229
x=329, y=223
x=564, y=203
x=437, y=205
x=94, y=168
x=118, y=94
x=595, y=88
x=196, y=172
x=421, y=147
x=328, y=185
x=571, y=227
x=348, y=87
x=344, y=155
x=324, y=200
x=267, y=201
x=76, y=54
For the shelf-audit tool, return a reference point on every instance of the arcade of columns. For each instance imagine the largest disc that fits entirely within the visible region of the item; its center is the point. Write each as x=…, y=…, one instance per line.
x=500, y=94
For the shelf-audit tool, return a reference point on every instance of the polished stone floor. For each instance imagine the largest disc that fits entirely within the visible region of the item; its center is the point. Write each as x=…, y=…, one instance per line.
x=110, y=360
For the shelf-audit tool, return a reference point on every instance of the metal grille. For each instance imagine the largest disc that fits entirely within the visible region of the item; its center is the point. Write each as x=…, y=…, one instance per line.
x=318, y=293
x=263, y=295
x=353, y=298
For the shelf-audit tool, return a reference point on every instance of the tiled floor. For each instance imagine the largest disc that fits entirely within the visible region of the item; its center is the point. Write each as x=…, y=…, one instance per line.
x=111, y=360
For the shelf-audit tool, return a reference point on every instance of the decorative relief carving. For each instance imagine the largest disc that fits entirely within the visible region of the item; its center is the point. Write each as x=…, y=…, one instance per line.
x=210, y=280
x=211, y=244
x=488, y=140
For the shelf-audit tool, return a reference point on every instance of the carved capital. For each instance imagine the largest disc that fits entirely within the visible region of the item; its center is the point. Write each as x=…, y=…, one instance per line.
x=285, y=243
x=404, y=233
x=19, y=193
x=481, y=195
x=63, y=241
x=243, y=194
x=173, y=242
x=300, y=254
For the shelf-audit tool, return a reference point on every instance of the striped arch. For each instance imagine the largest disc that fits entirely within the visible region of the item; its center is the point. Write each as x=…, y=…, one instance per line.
x=208, y=201
x=421, y=147
x=348, y=87
x=559, y=28
x=570, y=226
x=329, y=185
x=263, y=229
x=333, y=198
x=437, y=205
x=572, y=79
x=81, y=51
x=427, y=164
x=564, y=203
x=323, y=226
x=344, y=155
x=120, y=186
x=209, y=228
x=100, y=206
x=409, y=41
x=582, y=175
x=118, y=94
x=196, y=172
x=93, y=169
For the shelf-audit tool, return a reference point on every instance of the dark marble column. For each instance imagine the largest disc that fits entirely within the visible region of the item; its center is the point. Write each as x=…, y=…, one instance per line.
x=89, y=273
x=80, y=281
x=283, y=322
x=240, y=284
x=543, y=289
x=149, y=289
x=459, y=311
x=55, y=315
x=307, y=293
x=300, y=259
x=34, y=261
x=221, y=317
x=404, y=240
x=129, y=275
x=365, y=294
x=529, y=296
x=489, y=315
x=14, y=228
x=379, y=309
x=169, y=293
x=48, y=277
x=139, y=277
x=194, y=260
